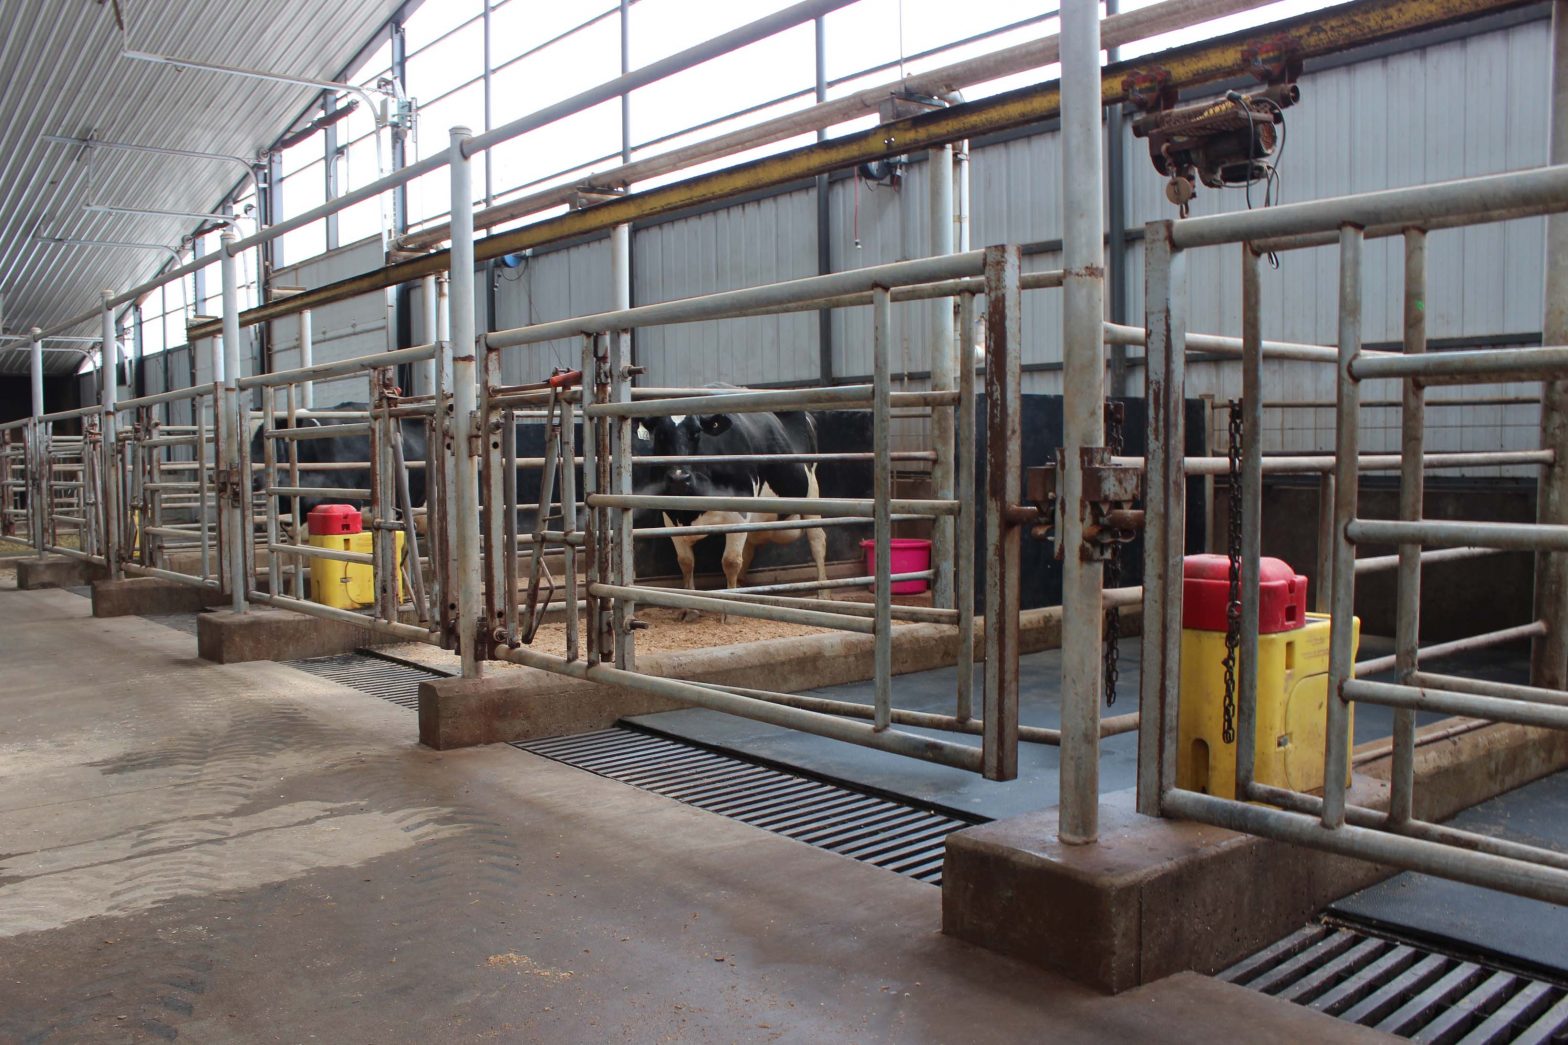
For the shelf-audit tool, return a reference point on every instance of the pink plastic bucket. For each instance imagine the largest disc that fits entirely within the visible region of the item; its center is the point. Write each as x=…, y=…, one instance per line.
x=909, y=555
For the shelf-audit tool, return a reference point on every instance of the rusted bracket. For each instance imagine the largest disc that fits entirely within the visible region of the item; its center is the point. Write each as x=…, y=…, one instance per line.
x=1109, y=492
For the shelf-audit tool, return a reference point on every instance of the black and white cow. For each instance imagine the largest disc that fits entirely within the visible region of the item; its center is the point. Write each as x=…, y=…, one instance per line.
x=734, y=434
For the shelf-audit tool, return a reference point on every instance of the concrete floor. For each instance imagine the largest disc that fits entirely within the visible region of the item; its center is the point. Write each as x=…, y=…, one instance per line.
x=250, y=853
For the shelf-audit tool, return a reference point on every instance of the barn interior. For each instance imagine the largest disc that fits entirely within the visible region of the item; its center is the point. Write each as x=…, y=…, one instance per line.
x=674, y=520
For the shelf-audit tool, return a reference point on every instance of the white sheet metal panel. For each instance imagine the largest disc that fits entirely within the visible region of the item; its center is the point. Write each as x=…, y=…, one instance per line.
x=63, y=74
x=342, y=330
x=760, y=242
x=548, y=286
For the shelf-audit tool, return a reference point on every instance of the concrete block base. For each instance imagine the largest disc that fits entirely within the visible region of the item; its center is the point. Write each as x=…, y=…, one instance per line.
x=522, y=705
x=56, y=571
x=1155, y=897
x=1151, y=898
x=150, y=596
x=263, y=633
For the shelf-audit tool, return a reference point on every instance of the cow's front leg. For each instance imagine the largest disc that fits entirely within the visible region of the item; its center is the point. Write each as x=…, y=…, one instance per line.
x=688, y=561
x=736, y=562
x=816, y=537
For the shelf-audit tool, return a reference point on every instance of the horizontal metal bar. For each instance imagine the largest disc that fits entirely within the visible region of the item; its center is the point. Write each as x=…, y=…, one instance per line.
x=138, y=570
x=648, y=532
x=70, y=415
x=1415, y=854
x=1509, y=363
x=1501, y=637
x=341, y=368
x=825, y=506
x=729, y=303
x=755, y=401
x=319, y=432
x=1362, y=816
x=310, y=551
x=1488, y=688
x=174, y=395
x=1217, y=344
x=681, y=600
x=832, y=582
x=1446, y=534
x=1309, y=464
x=668, y=459
x=1541, y=190
x=918, y=614
x=410, y=632
x=1379, y=563
x=962, y=756
x=1424, y=698
x=319, y=491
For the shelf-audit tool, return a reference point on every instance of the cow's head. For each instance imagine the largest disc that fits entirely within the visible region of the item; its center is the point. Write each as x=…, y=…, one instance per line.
x=683, y=435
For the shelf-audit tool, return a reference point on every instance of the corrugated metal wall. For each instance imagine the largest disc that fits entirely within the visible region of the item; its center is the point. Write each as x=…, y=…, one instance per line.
x=356, y=327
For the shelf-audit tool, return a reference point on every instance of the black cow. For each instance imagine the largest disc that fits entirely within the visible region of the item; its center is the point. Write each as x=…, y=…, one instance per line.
x=338, y=450
x=738, y=434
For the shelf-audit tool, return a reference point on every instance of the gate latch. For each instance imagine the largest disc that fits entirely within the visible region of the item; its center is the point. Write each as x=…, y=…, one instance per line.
x=1109, y=492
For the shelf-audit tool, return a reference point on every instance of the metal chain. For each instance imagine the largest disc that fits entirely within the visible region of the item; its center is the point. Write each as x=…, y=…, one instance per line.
x=1113, y=568
x=1233, y=553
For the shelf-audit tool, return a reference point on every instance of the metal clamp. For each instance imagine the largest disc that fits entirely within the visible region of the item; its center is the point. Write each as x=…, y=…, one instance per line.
x=1109, y=493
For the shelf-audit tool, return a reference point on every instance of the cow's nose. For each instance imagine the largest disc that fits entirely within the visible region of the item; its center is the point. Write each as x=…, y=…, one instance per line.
x=680, y=475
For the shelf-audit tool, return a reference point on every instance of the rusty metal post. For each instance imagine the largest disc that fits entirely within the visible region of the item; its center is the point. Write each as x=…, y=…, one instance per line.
x=463, y=512
x=1412, y=479
x=235, y=486
x=1083, y=415
x=999, y=743
x=1549, y=653
x=1165, y=508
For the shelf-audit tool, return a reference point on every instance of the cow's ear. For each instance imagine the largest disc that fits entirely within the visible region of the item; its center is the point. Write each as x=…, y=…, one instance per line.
x=715, y=424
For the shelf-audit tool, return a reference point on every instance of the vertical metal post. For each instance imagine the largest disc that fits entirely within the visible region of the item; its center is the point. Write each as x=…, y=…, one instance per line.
x=492, y=479
x=1210, y=537
x=1412, y=479
x=270, y=479
x=1003, y=344
x=940, y=310
x=1083, y=405
x=307, y=356
x=964, y=566
x=37, y=455
x=623, y=570
x=1549, y=654
x=235, y=489
x=593, y=561
x=1323, y=601
x=824, y=216
x=1165, y=508
x=109, y=360
x=1347, y=450
x=569, y=520
x=621, y=266
x=427, y=297
x=203, y=492
x=464, y=514
x=1251, y=515
x=882, y=494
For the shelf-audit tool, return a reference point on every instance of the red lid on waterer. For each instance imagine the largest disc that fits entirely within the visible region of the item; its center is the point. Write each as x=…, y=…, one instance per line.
x=328, y=519
x=1282, y=605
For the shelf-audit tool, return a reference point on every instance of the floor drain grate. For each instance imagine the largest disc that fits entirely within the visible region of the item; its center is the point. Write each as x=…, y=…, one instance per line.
x=894, y=835
x=390, y=680
x=1404, y=989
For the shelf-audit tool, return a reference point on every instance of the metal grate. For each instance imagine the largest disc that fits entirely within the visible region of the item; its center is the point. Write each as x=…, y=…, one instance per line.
x=391, y=680
x=864, y=826
x=1404, y=989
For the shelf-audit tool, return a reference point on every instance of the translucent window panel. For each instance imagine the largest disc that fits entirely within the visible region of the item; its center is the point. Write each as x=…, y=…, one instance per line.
x=1218, y=26
x=305, y=190
x=447, y=63
x=517, y=26
x=377, y=64
x=430, y=196
x=357, y=162
x=660, y=28
x=752, y=75
x=465, y=108
x=584, y=59
x=572, y=142
x=153, y=340
x=361, y=221
x=299, y=156
x=433, y=20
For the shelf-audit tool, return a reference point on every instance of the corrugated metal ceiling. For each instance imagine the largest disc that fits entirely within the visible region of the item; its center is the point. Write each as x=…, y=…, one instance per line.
x=62, y=73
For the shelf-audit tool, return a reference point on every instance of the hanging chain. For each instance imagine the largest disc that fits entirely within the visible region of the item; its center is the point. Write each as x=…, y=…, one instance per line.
x=1233, y=553
x=1114, y=415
